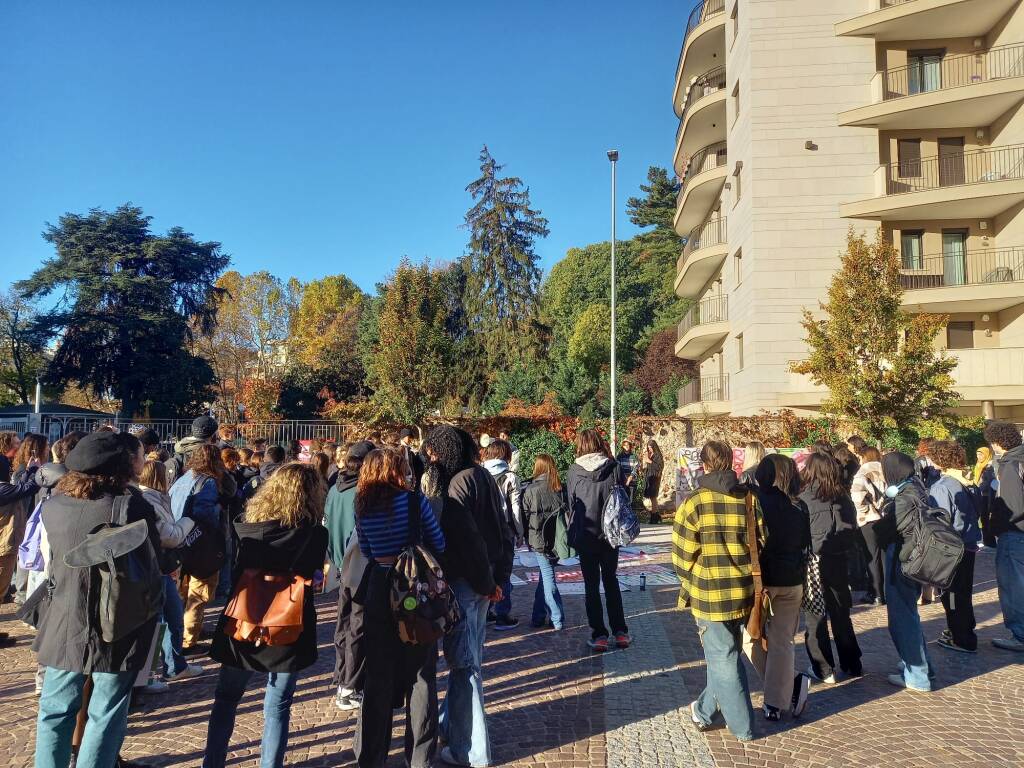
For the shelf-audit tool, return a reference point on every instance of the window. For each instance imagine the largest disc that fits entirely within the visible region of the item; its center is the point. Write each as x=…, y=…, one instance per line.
x=960, y=334
x=909, y=153
x=954, y=257
x=736, y=101
x=737, y=267
x=735, y=16
x=911, y=241
x=737, y=189
x=739, y=351
x=924, y=71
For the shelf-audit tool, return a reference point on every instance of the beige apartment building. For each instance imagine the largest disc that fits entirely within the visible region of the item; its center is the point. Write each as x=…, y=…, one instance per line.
x=800, y=118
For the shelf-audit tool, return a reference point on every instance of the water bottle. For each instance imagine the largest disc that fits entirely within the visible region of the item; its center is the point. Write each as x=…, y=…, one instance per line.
x=643, y=582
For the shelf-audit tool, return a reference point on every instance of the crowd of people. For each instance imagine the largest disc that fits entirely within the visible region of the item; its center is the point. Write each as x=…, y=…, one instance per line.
x=264, y=531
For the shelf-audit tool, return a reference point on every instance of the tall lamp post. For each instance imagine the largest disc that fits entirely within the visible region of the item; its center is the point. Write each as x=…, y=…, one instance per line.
x=613, y=157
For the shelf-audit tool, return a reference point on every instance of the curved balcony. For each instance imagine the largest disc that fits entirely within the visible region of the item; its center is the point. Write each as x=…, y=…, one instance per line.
x=703, y=328
x=926, y=19
x=966, y=89
x=701, y=187
x=987, y=280
x=708, y=394
x=979, y=184
x=703, y=116
x=702, y=257
x=703, y=46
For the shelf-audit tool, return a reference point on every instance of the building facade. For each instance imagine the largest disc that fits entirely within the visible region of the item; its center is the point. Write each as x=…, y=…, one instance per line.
x=800, y=118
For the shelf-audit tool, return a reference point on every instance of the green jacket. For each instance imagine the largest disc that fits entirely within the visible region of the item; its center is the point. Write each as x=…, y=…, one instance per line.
x=340, y=521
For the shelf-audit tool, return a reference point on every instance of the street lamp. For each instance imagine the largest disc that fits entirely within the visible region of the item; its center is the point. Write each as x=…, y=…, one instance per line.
x=613, y=157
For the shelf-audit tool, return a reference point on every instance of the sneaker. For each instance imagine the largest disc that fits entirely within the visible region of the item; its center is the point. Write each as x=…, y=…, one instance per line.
x=491, y=617
x=505, y=623
x=830, y=678
x=623, y=640
x=1008, y=644
x=946, y=633
x=598, y=644
x=947, y=642
x=899, y=682
x=868, y=600
x=156, y=685
x=448, y=758
x=190, y=670
x=347, y=700
x=542, y=625
x=695, y=721
x=772, y=714
x=801, y=687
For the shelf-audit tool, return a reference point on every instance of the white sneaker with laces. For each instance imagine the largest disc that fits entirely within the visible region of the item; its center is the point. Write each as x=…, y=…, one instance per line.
x=191, y=670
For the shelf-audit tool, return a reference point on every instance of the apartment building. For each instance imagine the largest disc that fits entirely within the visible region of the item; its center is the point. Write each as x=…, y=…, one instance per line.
x=800, y=118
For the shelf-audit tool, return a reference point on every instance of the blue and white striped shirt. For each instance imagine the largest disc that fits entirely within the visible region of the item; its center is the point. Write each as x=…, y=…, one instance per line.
x=385, y=535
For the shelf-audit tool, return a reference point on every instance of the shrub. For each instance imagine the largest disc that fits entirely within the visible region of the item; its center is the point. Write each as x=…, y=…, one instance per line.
x=532, y=442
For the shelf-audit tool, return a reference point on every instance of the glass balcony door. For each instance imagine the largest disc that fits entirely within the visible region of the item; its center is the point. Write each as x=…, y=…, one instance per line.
x=954, y=258
x=924, y=71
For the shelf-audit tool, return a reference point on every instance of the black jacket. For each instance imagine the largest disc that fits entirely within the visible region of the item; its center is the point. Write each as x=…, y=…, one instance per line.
x=476, y=491
x=269, y=546
x=540, y=504
x=832, y=523
x=465, y=552
x=1007, y=507
x=587, y=491
x=66, y=640
x=788, y=536
x=267, y=468
x=47, y=477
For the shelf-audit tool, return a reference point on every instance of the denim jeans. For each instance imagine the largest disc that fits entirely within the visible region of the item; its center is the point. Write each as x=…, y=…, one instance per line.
x=503, y=607
x=277, y=706
x=727, y=694
x=1010, y=580
x=174, y=618
x=463, y=721
x=547, y=600
x=901, y=596
x=58, y=711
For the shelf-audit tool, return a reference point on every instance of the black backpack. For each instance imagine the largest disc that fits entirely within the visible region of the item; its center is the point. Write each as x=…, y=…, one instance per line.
x=932, y=549
x=204, y=551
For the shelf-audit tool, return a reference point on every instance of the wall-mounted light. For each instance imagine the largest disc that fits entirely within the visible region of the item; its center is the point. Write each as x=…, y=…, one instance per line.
x=810, y=145
x=984, y=318
x=982, y=225
x=978, y=42
x=979, y=134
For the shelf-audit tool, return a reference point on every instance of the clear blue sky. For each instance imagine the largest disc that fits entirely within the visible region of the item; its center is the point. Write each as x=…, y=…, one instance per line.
x=319, y=137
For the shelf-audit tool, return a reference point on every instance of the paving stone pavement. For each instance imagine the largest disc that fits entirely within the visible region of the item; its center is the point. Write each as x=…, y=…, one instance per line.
x=553, y=705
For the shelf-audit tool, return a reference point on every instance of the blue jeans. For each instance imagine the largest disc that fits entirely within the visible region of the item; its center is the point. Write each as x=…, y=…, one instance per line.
x=462, y=720
x=503, y=607
x=1010, y=580
x=727, y=694
x=174, y=618
x=58, y=710
x=277, y=707
x=901, y=596
x=547, y=599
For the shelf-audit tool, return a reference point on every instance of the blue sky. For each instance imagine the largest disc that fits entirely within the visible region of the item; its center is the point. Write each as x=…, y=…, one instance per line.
x=320, y=137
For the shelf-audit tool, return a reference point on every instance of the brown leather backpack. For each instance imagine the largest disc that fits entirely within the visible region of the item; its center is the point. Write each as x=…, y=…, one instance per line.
x=266, y=608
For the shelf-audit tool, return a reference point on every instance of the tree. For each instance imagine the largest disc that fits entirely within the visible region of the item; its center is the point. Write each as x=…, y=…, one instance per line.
x=21, y=353
x=521, y=383
x=660, y=364
x=501, y=266
x=572, y=385
x=131, y=302
x=591, y=342
x=879, y=362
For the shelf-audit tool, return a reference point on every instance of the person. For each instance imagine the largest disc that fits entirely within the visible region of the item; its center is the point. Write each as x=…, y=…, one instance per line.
x=927, y=471
x=321, y=463
x=653, y=466
x=588, y=484
x=259, y=444
x=543, y=499
x=294, y=451
x=1006, y=517
x=868, y=496
x=513, y=463
x=337, y=464
x=833, y=520
x=787, y=537
x=712, y=559
x=628, y=465
x=280, y=532
x=148, y=437
x=497, y=461
x=412, y=457
x=34, y=450
x=950, y=493
x=46, y=478
x=753, y=454
x=982, y=477
x=478, y=558
x=203, y=432
x=69, y=644
x=273, y=460
x=847, y=463
x=856, y=444
x=905, y=488
x=340, y=521
x=397, y=673
x=202, y=482
x=14, y=500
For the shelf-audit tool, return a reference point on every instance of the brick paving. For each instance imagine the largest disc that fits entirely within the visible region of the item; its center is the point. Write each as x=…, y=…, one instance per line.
x=552, y=704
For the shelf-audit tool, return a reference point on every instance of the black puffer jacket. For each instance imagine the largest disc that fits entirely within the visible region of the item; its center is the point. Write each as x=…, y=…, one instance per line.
x=588, y=485
x=832, y=523
x=540, y=504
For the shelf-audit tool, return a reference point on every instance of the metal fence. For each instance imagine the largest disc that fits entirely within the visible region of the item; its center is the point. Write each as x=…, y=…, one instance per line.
x=936, y=73
x=993, y=265
x=705, y=159
x=713, y=309
x=711, y=232
x=954, y=169
x=705, y=389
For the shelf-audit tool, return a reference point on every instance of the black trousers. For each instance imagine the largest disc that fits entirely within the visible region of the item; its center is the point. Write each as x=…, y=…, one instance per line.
x=397, y=674
x=871, y=536
x=349, y=639
x=958, y=601
x=838, y=602
x=599, y=568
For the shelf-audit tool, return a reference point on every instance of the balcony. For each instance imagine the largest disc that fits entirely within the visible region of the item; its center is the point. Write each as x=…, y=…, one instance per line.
x=706, y=395
x=703, y=116
x=926, y=19
x=979, y=184
x=703, y=328
x=989, y=374
x=951, y=92
x=706, y=248
x=702, y=186
x=986, y=280
x=703, y=45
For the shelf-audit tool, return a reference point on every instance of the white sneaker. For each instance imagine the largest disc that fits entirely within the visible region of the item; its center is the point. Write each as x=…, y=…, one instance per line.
x=830, y=678
x=191, y=670
x=348, y=700
x=156, y=685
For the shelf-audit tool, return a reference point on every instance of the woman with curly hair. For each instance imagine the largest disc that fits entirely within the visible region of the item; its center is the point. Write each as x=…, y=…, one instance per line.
x=280, y=533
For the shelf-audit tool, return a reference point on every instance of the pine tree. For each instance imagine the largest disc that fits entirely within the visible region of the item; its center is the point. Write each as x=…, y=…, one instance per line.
x=502, y=275
x=878, y=361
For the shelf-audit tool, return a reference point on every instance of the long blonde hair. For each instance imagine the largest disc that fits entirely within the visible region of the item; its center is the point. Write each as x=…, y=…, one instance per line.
x=753, y=453
x=294, y=496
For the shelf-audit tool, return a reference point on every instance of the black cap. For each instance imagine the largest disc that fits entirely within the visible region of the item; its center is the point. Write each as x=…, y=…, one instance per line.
x=204, y=427
x=361, y=450
x=99, y=453
x=148, y=436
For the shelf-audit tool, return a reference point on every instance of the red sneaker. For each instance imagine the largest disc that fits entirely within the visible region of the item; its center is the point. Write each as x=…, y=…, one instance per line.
x=598, y=644
x=623, y=640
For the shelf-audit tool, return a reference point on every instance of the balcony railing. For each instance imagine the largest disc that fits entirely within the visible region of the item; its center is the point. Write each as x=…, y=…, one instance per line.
x=705, y=159
x=955, y=169
x=711, y=232
x=703, y=85
x=890, y=3
x=993, y=265
x=706, y=389
x=713, y=309
x=937, y=74
x=701, y=13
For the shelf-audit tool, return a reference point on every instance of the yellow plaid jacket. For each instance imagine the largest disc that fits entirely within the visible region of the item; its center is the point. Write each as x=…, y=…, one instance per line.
x=710, y=554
